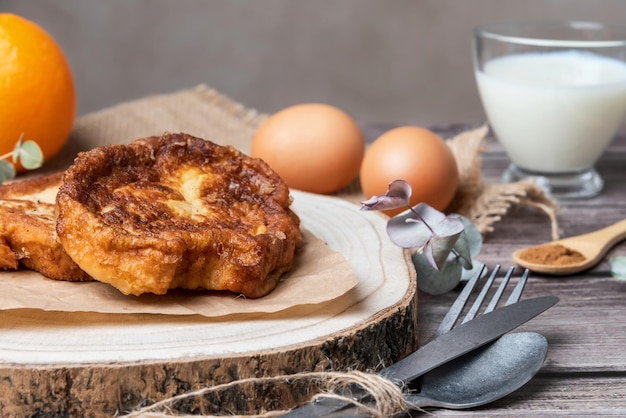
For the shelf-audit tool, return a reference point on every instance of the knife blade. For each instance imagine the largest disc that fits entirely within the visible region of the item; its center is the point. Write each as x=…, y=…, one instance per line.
x=460, y=340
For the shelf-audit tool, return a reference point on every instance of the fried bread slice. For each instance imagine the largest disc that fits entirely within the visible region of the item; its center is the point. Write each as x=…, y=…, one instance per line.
x=28, y=229
x=175, y=211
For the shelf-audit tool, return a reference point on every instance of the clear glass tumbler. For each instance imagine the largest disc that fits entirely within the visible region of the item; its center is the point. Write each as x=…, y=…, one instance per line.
x=555, y=96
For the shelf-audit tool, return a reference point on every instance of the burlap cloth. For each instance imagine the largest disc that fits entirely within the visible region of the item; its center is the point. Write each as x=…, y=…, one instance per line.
x=203, y=112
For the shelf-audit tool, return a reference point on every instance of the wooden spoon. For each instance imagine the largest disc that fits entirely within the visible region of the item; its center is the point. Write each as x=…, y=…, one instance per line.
x=593, y=246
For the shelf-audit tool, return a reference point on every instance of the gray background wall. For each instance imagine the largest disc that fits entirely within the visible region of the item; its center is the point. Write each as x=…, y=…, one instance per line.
x=402, y=61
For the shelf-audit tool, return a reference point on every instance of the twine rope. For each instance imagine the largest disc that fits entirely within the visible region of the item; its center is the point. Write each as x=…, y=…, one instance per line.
x=388, y=397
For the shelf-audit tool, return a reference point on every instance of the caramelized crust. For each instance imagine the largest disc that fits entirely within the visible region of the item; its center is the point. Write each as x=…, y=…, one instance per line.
x=27, y=229
x=176, y=211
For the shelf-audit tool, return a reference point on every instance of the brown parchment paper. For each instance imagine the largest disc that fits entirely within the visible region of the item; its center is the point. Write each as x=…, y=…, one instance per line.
x=319, y=274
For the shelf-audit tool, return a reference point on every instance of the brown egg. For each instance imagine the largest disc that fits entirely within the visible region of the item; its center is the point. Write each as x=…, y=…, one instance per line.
x=314, y=147
x=416, y=155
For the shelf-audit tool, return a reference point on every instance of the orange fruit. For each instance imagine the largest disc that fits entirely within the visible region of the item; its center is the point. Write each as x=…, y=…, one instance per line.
x=37, y=95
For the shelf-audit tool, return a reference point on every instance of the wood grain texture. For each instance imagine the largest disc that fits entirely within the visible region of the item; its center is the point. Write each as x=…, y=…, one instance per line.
x=88, y=364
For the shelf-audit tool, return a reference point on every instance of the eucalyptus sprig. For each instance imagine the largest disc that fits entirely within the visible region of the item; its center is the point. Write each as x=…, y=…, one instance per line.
x=444, y=245
x=27, y=153
x=618, y=267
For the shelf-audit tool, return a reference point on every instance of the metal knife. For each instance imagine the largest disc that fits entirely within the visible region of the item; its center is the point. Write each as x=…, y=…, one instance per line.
x=460, y=340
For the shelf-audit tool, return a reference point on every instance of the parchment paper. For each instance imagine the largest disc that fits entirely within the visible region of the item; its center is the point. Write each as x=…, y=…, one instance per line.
x=319, y=274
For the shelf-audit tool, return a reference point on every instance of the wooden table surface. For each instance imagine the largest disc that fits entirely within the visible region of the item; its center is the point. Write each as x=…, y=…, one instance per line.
x=585, y=370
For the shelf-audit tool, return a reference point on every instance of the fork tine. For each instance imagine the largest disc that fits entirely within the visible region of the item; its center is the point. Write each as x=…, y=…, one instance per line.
x=496, y=297
x=519, y=288
x=457, y=307
x=481, y=296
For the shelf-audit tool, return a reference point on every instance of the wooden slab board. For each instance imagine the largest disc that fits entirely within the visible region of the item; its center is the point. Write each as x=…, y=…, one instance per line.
x=89, y=364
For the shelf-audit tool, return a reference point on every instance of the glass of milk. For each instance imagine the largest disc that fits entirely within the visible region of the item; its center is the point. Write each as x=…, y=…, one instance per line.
x=555, y=97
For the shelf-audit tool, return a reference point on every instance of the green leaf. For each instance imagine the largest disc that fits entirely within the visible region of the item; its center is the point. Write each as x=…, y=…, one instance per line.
x=7, y=171
x=477, y=267
x=415, y=228
x=446, y=245
x=438, y=249
x=29, y=154
x=16, y=148
x=447, y=233
x=433, y=281
x=469, y=243
x=618, y=267
x=407, y=234
x=473, y=236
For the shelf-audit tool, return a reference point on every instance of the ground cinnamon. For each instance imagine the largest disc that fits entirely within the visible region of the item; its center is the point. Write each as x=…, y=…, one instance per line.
x=553, y=254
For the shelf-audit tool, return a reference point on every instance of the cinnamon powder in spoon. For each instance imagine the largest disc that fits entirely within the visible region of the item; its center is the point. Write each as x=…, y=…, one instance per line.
x=553, y=254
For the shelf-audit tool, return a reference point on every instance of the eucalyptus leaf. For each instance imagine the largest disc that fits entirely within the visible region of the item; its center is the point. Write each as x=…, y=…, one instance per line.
x=414, y=228
x=462, y=249
x=428, y=214
x=408, y=234
x=437, y=282
x=397, y=196
x=439, y=248
x=445, y=235
x=30, y=155
x=7, y=171
x=419, y=213
x=449, y=226
x=477, y=267
x=473, y=236
x=618, y=267
x=400, y=189
x=445, y=245
x=469, y=243
x=16, y=149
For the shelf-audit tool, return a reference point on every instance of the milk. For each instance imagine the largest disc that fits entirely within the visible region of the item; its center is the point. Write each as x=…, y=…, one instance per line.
x=554, y=112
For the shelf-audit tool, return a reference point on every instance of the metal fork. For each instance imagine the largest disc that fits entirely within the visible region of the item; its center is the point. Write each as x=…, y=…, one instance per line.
x=456, y=309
